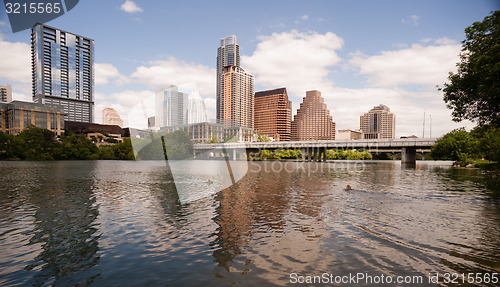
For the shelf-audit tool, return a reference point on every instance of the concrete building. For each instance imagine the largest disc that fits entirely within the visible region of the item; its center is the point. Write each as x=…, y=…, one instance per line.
x=313, y=120
x=273, y=114
x=378, y=123
x=235, y=87
x=111, y=117
x=62, y=66
x=16, y=116
x=349, y=135
x=171, y=107
x=6, y=93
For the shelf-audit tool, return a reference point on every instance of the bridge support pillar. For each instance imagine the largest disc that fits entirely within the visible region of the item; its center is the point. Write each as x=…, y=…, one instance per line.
x=234, y=154
x=303, y=154
x=409, y=155
x=309, y=151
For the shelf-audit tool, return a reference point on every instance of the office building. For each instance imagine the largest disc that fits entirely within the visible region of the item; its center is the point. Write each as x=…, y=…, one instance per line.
x=349, y=135
x=6, y=93
x=63, y=71
x=273, y=114
x=111, y=117
x=313, y=120
x=197, y=111
x=378, y=123
x=171, y=107
x=235, y=87
x=16, y=116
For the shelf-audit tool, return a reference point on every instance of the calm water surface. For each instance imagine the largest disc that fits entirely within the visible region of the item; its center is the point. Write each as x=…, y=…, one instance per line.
x=121, y=223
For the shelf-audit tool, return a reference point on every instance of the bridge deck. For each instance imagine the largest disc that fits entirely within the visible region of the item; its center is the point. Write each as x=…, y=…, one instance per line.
x=366, y=144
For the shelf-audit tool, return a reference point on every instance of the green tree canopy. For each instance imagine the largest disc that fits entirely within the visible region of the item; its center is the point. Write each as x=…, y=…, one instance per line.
x=473, y=92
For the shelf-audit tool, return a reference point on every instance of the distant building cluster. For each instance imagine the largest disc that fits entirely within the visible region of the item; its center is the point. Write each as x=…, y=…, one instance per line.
x=63, y=91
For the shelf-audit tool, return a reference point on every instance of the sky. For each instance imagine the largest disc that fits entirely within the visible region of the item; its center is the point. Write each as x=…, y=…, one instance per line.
x=358, y=54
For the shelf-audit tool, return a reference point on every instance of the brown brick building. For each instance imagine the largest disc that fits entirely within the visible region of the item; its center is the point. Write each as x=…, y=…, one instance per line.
x=273, y=114
x=313, y=120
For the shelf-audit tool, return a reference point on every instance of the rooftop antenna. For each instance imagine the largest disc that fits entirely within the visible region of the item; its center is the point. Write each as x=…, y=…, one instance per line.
x=423, y=125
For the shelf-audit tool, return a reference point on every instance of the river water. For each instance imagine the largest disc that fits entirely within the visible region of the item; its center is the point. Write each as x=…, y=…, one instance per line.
x=123, y=223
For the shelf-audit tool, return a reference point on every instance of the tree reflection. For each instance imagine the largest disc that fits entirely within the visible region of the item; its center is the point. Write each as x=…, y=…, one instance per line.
x=65, y=225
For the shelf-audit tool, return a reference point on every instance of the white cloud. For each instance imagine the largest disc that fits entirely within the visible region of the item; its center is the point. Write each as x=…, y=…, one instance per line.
x=15, y=63
x=2, y=23
x=302, y=62
x=105, y=72
x=130, y=7
x=173, y=72
x=419, y=64
x=127, y=103
x=305, y=17
x=411, y=19
x=297, y=60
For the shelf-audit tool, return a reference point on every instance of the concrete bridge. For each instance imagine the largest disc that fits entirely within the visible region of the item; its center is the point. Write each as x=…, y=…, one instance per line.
x=316, y=150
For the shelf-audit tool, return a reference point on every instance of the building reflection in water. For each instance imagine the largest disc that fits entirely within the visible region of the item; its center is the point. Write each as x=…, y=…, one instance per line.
x=263, y=209
x=65, y=226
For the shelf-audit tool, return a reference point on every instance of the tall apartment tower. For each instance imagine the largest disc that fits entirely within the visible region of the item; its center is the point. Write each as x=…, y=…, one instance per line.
x=273, y=114
x=313, y=120
x=111, y=117
x=378, y=123
x=171, y=107
x=6, y=93
x=235, y=87
x=62, y=66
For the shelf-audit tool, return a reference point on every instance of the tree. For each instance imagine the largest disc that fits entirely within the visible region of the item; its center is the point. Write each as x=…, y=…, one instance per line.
x=34, y=143
x=474, y=91
x=457, y=145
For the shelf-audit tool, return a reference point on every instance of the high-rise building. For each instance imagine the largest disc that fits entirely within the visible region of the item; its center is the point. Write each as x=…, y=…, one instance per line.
x=313, y=120
x=171, y=107
x=111, y=117
x=197, y=112
x=6, y=93
x=63, y=71
x=235, y=87
x=273, y=114
x=378, y=123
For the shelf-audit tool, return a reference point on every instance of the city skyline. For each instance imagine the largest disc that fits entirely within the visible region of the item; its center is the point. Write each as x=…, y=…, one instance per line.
x=319, y=45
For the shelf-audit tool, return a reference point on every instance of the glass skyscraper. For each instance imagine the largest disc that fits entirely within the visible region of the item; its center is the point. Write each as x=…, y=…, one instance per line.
x=171, y=107
x=63, y=71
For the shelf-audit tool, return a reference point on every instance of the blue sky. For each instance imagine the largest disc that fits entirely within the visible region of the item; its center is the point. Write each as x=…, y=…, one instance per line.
x=357, y=53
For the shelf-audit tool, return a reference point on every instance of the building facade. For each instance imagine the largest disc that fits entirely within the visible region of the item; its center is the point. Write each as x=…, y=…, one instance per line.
x=349, y=135
x=273, y=114
x=63, y=71
x=378, y=123
x=206, y=132
x=6, y=93
x=171, y=107
x=16, y=116
x=111, y=117
x=197, y=111
x=228, y=54
x=313, y=120
x=235, y=87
